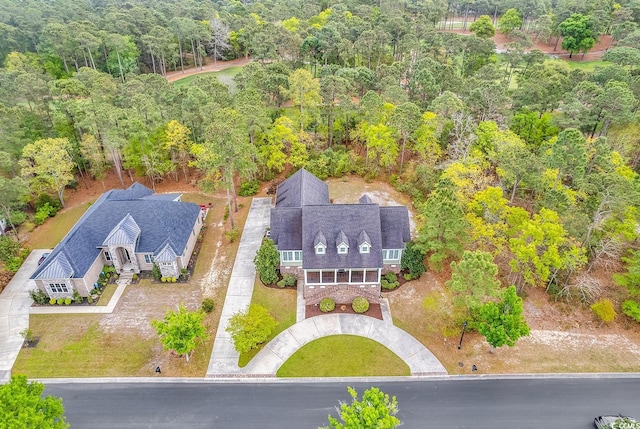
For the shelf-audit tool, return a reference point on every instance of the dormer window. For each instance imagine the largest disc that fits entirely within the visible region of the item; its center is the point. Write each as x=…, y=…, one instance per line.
x=364, y=242
x=342, y=243
x=364, y=248
x=320, y=244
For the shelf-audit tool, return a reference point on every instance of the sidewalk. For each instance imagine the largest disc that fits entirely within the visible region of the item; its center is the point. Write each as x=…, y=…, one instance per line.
x=420, y=360
x=15, y=302
x=224, y=357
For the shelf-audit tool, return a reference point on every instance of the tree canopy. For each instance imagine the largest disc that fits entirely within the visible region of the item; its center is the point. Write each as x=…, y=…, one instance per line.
x=23, y=406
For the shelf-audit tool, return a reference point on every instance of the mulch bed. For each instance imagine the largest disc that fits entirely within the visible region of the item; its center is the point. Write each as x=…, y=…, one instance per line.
x=314, y=310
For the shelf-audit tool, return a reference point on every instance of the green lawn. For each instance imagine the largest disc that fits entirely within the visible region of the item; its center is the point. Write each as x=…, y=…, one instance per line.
x=74, y=346
x=49, y=234
x=343, y=356
x=224, y=76
x=281, y=304
x=108, y=292
x=587, y=66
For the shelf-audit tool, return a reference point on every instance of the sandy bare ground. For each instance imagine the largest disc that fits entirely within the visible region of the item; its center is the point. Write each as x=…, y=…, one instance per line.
x=208, y=68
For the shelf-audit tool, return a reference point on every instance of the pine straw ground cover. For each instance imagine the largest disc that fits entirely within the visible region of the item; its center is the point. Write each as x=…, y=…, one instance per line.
x=123, y=343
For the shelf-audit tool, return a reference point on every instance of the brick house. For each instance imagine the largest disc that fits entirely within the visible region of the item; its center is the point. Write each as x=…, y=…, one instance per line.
x=130, y=229
x=337, y=250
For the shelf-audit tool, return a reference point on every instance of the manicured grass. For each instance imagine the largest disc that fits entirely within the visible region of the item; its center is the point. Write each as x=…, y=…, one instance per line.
x=49, y=234
x=343, y=356
x=281, y=304
x=587, y=66
x=75, y=346
x=224, y=76
x=108, y=292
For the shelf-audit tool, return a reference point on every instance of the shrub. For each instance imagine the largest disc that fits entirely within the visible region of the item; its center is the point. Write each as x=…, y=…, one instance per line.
x=39, y=297
x=29, y=226
x=287, y=280
x=46, y=199
x=413, y=261
x=134, y=277
x=67, y=301
x=53, y=301
x=60, y=301
x=267, y=260
x=174, y=279
x=360, y=304
x=327, y=305
x=407, y=277
x=250, y=327
x=389, y=281
x=43, y=213
x=9, y=248
x=603, y=309
x=232, y=235
x=207, y=305
x=249, y=188
x=155, y=271
x=184, y=274
x=632, y=309
x=27, y=334
x=90, y=299
x=163, y=279
x=77, y=298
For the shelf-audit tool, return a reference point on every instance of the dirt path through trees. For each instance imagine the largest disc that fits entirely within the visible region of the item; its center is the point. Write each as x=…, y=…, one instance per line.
x=208, y=68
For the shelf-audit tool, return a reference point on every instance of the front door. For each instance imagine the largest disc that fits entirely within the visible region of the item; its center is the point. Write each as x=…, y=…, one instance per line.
x=125, y=253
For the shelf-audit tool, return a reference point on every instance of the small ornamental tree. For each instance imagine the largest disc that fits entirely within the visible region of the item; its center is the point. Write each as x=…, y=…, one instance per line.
x=250, y=327
x=22, y=406
x=180, y=330
x=413, y=260
x=603, y=309
x=483, y=27
x=510, y=21
x=376, y=411
x=503, y=323
x=267, y=261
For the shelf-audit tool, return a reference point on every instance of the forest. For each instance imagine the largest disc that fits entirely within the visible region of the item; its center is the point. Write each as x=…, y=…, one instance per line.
x=506, y=152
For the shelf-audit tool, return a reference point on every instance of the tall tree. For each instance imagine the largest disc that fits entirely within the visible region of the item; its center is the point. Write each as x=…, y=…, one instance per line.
x=444, y=231
x=483, y=27
x=178, y=143
x=14, y=193
x=304, y=91
x=578, y=34
x=47, y=164
x=406, y=119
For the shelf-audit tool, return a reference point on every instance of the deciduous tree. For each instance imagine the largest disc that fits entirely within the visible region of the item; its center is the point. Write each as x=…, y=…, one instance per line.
x=48, y=166
x=181, y=330
x=376, y=410
x=503, y=323
x=483, y=27
x=250, y=328
x=22, y=406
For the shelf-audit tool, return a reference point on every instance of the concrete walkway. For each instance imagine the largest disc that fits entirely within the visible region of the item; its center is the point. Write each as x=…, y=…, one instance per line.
x=224, y=357
x=420, y=360
x=15, y=302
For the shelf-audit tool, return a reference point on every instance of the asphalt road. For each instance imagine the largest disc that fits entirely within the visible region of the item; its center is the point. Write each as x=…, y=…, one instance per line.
x=564, y=403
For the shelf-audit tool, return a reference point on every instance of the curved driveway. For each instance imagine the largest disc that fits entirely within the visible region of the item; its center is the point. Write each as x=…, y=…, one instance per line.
x=420, y=360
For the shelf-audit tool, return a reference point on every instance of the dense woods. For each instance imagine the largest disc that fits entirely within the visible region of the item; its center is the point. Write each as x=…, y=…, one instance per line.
x=512, y=154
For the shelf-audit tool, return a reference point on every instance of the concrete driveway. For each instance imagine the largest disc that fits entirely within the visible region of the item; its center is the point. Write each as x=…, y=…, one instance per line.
x=15, y=303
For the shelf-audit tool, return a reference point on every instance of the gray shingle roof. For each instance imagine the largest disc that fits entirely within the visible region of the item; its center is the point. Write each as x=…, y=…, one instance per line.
x=286, y=228
x=342, y=238
x=365, y=199
x=302, y=189
x=158, y=219
x=329, y=220
x=396, y=231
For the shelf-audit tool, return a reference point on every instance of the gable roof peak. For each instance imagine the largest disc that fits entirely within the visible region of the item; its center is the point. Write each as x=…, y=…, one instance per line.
x=342, y=238
x=365, y=199
x=320, y=240
x=125, y=232
x=363, y=238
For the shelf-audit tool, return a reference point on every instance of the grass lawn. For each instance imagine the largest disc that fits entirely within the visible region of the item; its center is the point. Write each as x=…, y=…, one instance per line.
x=281, y=304
x=587, y=66
x=343, y=356
x=49, y=234
x=75, y=346
x=224, y=76
x=108, y=292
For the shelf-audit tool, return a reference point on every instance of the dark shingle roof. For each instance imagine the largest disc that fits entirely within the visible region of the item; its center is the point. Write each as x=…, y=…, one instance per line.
x=365, y=199
x=330, y=219
x=302, y=189
x=286, y=228
x=159, y=220
x=396, y=231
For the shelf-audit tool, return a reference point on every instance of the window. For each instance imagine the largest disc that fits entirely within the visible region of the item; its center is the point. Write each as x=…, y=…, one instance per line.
x=391, y=254
x=320, y=250
x=167, y=264
x=342, y=249
x=291, y=256
x=364, y=248
x=58, y=287
x=148, y=259
x=107, y=256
